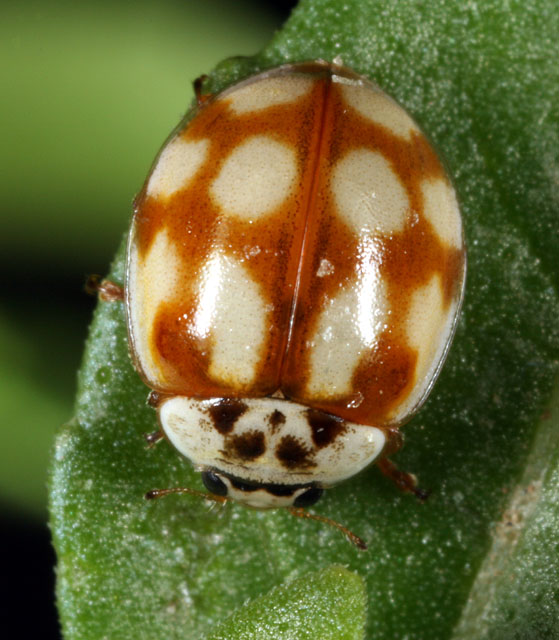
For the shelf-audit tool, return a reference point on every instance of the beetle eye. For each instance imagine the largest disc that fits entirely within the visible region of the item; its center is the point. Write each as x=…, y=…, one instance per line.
x=310, y=497
x=213, y=483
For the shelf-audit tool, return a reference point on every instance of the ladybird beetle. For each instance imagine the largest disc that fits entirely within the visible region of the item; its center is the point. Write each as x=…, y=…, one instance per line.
x=295, y=270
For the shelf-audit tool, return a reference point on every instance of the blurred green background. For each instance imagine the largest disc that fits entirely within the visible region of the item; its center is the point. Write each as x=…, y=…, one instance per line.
x=90, y=90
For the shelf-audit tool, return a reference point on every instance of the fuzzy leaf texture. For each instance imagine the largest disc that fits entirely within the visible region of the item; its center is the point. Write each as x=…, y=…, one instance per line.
x=478, y=560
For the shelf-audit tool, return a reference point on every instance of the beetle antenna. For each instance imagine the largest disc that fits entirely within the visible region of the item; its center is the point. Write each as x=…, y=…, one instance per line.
x=160, y=493
x=356, y=540
x=295, y=511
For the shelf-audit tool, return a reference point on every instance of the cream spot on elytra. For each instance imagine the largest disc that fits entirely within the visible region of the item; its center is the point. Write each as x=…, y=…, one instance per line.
x=348, y=326
x=269, y=92
x=178, y=163
x=372, y=103
x=255, y=178
x=429, y=326
x=232, y=313
x=424, y=321
x=369, y=195
x=153, y=281
x=441, y=210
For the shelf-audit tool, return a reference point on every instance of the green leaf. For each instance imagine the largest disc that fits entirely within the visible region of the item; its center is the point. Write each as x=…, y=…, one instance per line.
x=515, y=594
x=483, y=80
x=325, y=605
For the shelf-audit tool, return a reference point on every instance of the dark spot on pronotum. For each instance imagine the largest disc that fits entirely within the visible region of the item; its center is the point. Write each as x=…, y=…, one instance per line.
x=325, y=427
x=276, y=419
x=247, y=446
x=225, y=412
x=293, y=454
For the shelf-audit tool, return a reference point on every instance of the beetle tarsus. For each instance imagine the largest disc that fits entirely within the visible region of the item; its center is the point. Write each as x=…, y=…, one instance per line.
x=402, y=479
x=421, y=494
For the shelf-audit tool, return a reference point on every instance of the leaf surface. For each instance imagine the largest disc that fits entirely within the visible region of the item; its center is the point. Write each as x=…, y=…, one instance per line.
x=324, y=605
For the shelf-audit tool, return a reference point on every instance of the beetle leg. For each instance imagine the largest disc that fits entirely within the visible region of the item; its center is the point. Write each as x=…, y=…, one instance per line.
x=403, y=480
x=153, y=438
x=107, y=290
x=394, y=441
x=197, y=85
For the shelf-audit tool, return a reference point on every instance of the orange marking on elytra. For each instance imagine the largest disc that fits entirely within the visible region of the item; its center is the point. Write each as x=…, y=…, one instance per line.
x=283, y=251
x=406, y=260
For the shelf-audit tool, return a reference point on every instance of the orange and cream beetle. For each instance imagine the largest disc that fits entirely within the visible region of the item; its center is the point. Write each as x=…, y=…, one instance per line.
x=296, y=266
